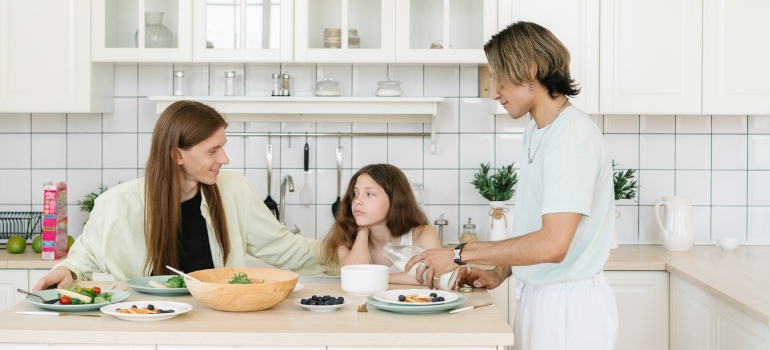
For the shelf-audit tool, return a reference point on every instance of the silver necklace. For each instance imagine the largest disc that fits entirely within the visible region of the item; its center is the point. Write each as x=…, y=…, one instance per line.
x=532, y=134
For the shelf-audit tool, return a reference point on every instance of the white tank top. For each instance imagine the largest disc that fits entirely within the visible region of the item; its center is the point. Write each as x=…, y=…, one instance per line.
x=405, y=240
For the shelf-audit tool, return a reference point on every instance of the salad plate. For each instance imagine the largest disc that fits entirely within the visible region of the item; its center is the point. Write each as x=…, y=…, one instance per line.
x=391, y=296
x=179, y=308
x=141, y=284
x=117, y=296
x=429, y=308
x=321, y=308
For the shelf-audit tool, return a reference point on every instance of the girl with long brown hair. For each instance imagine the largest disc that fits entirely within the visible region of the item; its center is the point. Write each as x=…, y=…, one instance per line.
x=184, y=213
x=378, y=207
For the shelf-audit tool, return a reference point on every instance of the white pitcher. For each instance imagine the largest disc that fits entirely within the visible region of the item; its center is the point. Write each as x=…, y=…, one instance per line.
x=677, y=231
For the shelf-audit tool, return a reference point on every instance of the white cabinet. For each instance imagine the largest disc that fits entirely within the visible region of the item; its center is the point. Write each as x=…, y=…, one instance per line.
x=691, y=317
x=642, y=299
x=701, y=321
x=344, y=31
x=650, y=54
x=10, y=280
x=576, y=24
x=45, y=62
x=444, y=31
x=242, y=31
x=735, y=70
x=35, y=275
x=141, y=30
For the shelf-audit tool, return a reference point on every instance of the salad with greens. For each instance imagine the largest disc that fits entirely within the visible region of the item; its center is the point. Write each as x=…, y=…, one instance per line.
x=175, y=282
x=242, y=278
x=77, y=295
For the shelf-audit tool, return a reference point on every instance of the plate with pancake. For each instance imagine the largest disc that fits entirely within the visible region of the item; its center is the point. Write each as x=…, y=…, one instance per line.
x=146, y=310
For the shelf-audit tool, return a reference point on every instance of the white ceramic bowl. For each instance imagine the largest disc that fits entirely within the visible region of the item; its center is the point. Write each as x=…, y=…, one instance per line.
x=727, y=243
x=365, y=279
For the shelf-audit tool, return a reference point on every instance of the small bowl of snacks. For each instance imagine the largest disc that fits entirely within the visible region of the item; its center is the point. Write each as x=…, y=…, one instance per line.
x=324, y=303
x=364, y=279
x=241, y=289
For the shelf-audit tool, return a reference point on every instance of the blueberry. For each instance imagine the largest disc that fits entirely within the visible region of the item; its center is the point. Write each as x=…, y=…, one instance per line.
x=134, y=306
x=435, y=300
x=161, y=311
x=150, y=307
x=312, y=302
x=341, y=300
x=433, y=295
x=440, y=298
x=303, y=301
x=401, y=297
x=328, y=302
x=170, y=311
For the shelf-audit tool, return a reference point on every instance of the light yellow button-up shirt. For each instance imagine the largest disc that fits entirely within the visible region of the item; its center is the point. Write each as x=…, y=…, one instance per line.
x=113, y=238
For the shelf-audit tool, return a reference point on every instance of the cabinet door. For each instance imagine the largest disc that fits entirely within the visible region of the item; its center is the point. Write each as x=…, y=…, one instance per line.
x=242, y=30
x=736, y=330
x=344, y=30
x=34, y=276
x=444, y=31
x=141, y=30
x=45, y=63
x=735, y=69
x=642, y=299
x=10, y=280
x=650, y=54
x=576, y=24
x=691, y=317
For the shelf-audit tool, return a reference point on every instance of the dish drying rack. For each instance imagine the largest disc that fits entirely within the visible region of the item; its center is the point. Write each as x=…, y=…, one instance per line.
x=20, y=223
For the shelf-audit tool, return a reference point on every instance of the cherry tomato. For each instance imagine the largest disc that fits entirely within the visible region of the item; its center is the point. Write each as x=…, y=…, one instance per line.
x=65, y=300
x=97, y=290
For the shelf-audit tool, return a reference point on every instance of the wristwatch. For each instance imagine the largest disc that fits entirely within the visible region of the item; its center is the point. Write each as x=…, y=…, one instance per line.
x=458, y=250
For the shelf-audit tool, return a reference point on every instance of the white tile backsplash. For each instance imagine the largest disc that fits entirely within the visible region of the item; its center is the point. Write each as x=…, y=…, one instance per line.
x=719, y=161
x=49, y=151
x=693, y=151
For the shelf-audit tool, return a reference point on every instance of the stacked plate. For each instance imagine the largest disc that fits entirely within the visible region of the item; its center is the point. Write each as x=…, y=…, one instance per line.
x=389, y=301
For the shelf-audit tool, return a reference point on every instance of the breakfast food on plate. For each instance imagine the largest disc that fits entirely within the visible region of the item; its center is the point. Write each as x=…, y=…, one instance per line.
x=77, y=295
x=147, y=310
x=416, y=298
x=173, y=282
x=322, y=300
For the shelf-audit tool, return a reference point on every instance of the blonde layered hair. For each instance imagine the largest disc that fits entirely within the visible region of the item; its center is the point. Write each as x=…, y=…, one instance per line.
x=182, y=125
x=524, y=52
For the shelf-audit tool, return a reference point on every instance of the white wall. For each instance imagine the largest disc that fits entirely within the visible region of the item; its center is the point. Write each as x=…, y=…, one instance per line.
x=723, y=162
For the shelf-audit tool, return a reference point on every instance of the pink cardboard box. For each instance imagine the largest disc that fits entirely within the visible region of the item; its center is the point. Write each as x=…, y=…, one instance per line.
x=54, y=220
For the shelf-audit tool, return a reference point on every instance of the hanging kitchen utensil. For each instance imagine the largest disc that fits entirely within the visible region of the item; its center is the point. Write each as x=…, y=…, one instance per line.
x=336, y=205
x=306, y=197
x=269, y=202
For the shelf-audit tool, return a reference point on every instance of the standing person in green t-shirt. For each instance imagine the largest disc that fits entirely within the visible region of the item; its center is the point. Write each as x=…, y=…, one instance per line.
x=564, y=204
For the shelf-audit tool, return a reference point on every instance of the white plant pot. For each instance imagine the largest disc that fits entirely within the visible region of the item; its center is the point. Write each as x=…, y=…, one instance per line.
x=500, y=221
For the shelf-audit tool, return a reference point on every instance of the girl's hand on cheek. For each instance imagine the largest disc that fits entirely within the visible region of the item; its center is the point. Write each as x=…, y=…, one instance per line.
x=363, y=231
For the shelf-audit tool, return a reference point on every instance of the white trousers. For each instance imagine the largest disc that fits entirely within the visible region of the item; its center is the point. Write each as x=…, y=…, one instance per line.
x=574, y=315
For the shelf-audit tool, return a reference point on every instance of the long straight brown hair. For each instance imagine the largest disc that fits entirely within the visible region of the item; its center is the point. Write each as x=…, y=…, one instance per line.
x=182, y=125
x=404, y=213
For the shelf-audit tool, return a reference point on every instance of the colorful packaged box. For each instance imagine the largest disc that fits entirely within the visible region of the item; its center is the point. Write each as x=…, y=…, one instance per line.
x=54, y=220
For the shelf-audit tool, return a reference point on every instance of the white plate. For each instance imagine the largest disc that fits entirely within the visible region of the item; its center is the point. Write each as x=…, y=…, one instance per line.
x=179, y=308
x=299, y=286
x=141, y=284
x=321, y=308
x=391, y=296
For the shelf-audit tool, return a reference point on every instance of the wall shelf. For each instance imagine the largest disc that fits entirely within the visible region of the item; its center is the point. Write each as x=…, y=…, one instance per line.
x=318, y=109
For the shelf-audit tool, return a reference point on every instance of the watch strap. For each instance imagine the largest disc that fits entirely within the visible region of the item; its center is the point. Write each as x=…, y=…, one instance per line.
x=458, y=251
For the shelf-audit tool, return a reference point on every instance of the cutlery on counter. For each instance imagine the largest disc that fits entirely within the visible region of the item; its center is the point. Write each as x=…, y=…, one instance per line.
x=469, y=308
x=51, y=313
x=307, y=193
x=182, y=273
x=52, y=301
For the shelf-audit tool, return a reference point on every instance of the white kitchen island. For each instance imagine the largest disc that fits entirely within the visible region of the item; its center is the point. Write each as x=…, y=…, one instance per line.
x=284, y=326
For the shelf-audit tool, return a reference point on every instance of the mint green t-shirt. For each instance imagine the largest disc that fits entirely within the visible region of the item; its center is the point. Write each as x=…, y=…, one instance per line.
x=570, y=173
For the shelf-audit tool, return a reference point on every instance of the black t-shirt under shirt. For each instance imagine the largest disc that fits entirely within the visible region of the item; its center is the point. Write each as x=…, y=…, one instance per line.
x=195, y=251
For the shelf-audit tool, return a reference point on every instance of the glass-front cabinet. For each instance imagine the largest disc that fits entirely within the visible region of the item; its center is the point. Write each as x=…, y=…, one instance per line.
x=452, y=31
x=242, y=30
x=141, y=30
x=344, y=30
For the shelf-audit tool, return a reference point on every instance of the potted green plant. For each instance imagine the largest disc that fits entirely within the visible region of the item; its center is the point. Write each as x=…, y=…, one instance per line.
x=87, y=204
x=497, y=188
x=625, y=188
x=625, y=184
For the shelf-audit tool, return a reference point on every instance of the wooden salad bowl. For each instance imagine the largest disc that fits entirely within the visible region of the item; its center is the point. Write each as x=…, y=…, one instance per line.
x=214, y=291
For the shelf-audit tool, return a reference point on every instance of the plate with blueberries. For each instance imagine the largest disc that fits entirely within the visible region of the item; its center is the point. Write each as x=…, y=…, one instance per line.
x=325, y=303
x=415, y=297
x=146, y=310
